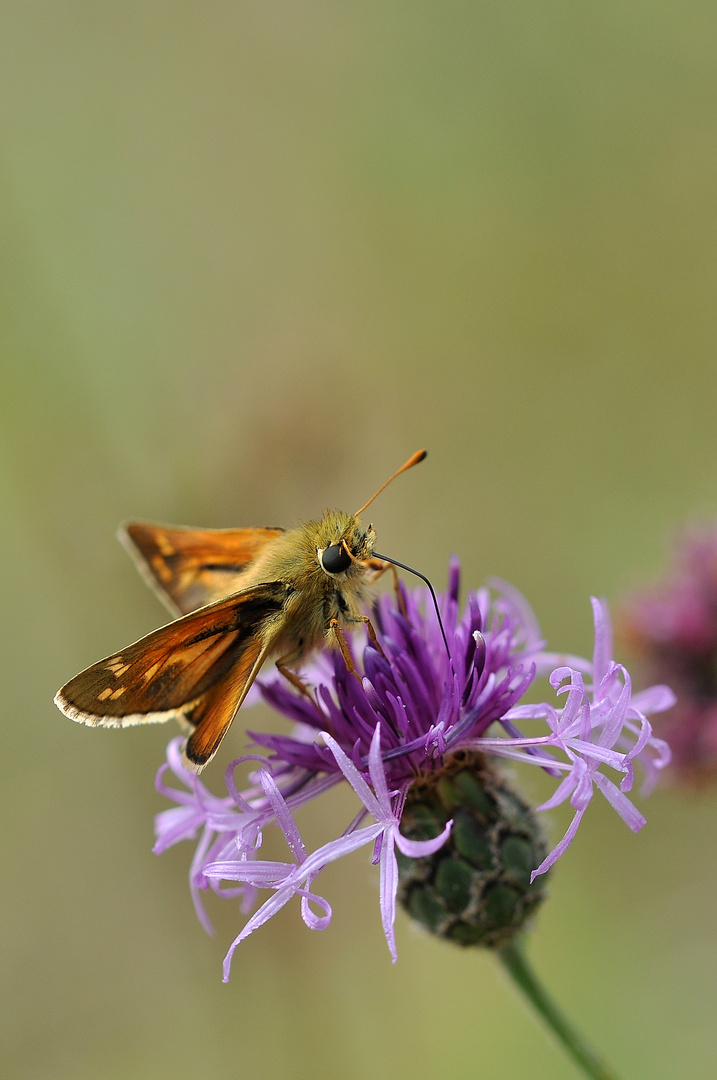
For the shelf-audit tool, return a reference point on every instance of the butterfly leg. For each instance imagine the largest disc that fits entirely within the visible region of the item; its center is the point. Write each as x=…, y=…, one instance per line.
x=295, y=681
x=372, y=634
x=377, y=567
x=343, y=646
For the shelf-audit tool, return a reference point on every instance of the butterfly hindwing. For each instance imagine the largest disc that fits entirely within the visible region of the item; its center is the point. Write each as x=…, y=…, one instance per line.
x=189, y=568
x=215, y=710
x=198, y=668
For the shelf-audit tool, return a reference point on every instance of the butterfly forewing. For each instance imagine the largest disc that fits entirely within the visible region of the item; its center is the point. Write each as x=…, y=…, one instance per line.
x=199, y=668
x=190, y=568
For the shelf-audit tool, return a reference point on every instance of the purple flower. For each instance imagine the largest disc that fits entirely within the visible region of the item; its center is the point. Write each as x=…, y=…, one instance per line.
x=596, y=718
x=411, y=709
x=295, y=878
x=427, y=703
x=672, y=627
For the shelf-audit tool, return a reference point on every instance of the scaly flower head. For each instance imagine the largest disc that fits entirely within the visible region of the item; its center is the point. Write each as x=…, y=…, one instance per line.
x=408, y=732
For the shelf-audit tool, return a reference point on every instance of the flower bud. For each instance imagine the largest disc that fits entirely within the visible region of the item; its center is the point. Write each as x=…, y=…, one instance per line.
x=476, y=889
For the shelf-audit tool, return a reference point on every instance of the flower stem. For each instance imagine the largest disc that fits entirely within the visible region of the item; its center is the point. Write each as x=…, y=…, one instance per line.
x=516, y=964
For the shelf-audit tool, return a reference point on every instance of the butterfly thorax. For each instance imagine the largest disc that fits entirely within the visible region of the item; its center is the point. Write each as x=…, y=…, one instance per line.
x=318, y=598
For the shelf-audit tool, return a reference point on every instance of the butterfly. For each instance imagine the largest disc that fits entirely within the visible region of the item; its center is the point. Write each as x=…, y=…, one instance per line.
x=241, y=597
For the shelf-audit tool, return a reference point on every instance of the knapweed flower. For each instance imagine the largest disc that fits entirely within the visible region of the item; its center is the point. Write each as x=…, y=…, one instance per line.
x=672, y=628
x=414, y=731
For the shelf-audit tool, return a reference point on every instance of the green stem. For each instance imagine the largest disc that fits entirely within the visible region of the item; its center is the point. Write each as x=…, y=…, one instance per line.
x=516, y=964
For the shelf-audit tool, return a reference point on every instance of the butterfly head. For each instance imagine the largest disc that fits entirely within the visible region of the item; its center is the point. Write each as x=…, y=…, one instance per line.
x=344, y=544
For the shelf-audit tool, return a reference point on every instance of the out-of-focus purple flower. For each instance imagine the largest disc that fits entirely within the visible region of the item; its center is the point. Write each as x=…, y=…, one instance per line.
x=672, y=629
x=409, y=712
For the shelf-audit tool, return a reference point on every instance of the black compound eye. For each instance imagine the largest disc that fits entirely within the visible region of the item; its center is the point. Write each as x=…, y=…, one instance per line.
x=335, y=559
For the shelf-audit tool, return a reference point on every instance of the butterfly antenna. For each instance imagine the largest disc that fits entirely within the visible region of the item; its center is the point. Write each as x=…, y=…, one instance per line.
x=413, y=460
x=423, y=578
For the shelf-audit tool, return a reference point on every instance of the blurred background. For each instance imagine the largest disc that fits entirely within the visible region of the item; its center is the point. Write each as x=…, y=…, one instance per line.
x=254, y=255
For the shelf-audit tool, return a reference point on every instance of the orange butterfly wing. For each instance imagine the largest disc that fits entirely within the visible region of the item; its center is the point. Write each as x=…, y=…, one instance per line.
x=198, y=668
x=189, y=568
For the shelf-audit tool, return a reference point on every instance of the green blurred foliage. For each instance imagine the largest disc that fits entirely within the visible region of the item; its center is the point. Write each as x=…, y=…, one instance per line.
x=252, y=255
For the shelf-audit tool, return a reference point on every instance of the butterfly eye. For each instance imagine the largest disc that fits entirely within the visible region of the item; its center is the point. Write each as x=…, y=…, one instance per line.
x=335, y=559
